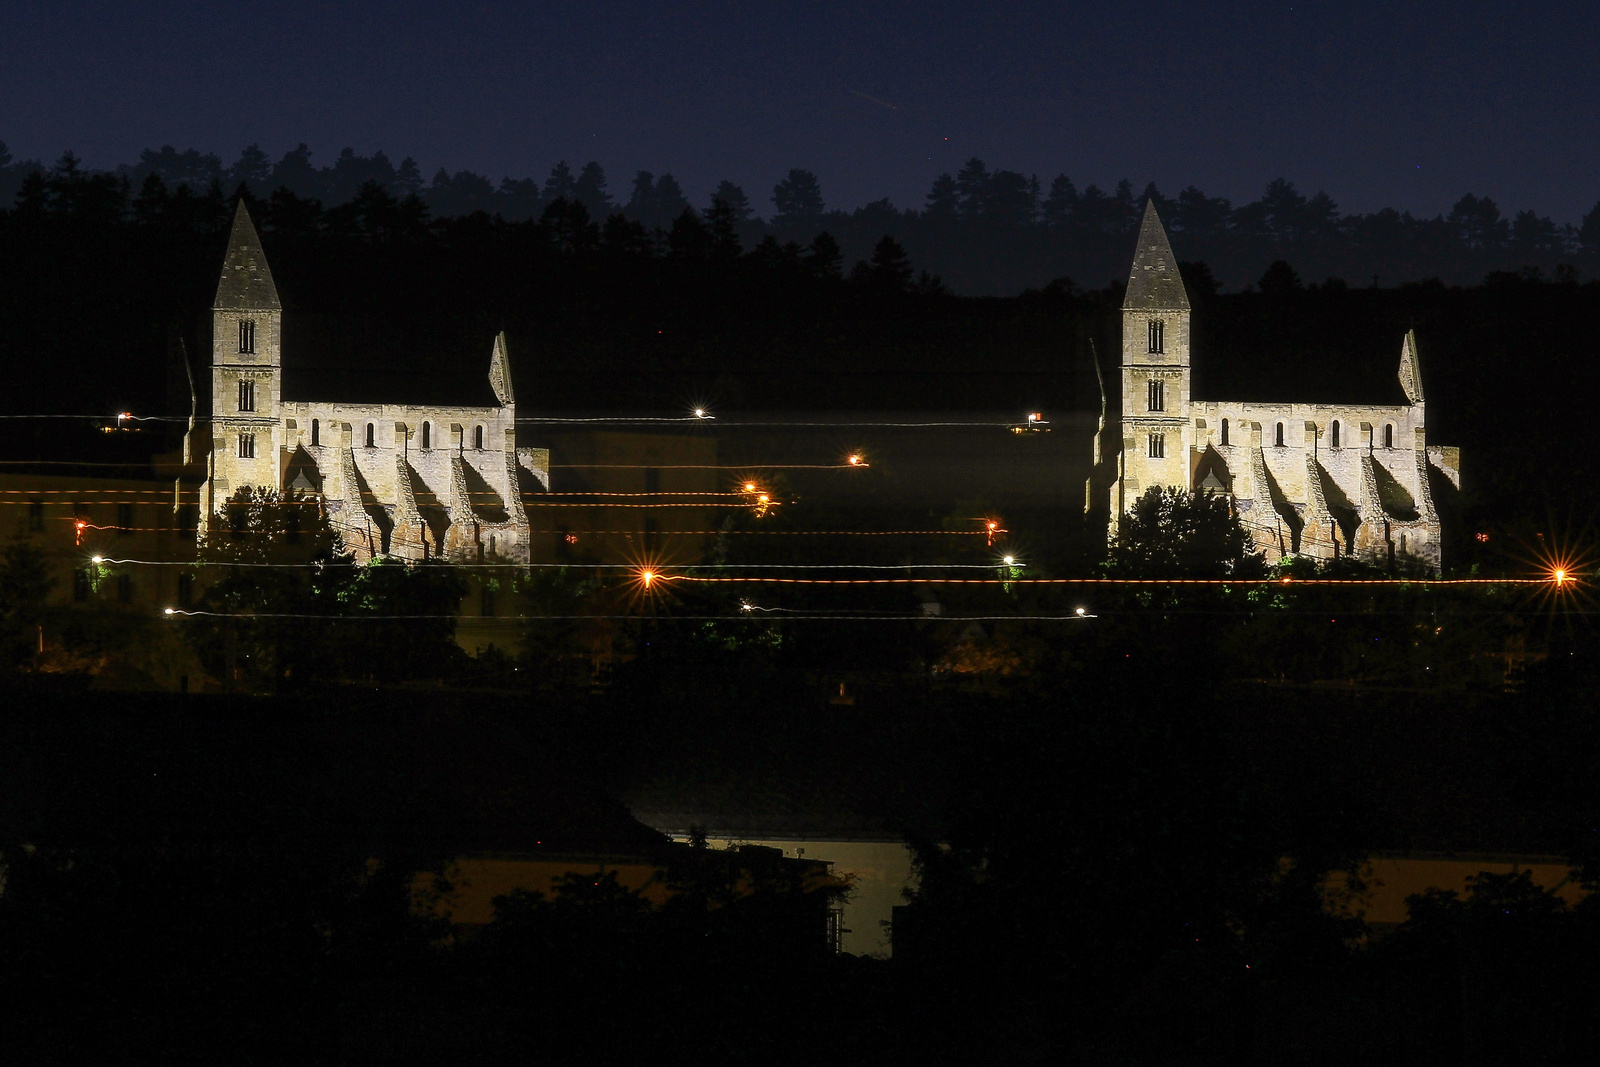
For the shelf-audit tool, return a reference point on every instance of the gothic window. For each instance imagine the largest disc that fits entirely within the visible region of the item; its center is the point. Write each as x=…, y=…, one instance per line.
x=427, y=435
x=1334, y=435
x=316, y=432
x=372, y=436
x=247, y=446
x=1388, y=435
x=1224, y=432
x=1158, y=330
x=477, y=438
x=1158, y=446
x=1278, y=437
x=247, y=335
x=1154, y=399
x=247, y=395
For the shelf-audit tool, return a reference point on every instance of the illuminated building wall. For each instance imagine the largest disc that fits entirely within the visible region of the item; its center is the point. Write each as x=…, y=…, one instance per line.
x=1322, y=480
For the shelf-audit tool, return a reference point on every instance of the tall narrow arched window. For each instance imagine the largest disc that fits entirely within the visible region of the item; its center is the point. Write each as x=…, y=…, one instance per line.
x=1158, y=331
x=1224, y=432
x=372, y=436
x=1278, y=437
x=427, y=435
x=316, y=432
x=477, y=438
x=1333, y=436
x=1388, y=435
x=247, y=335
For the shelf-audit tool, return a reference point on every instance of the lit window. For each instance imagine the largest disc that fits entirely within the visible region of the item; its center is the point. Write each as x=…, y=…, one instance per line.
x=1224, y=431
x=1155, y=399
x=372, y=436
x=1335, y=433
x=1158, y=330
x=247, y=395
x=1158, y=446
x=247, y=335
x=247, y=446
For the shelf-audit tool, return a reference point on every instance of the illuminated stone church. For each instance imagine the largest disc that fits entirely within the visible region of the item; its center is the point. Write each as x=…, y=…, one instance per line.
x=1313, y=479
x=403, y=479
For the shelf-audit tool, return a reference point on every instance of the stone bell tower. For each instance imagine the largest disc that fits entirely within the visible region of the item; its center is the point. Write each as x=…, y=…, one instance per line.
x=246, y=369
x=1157, y=435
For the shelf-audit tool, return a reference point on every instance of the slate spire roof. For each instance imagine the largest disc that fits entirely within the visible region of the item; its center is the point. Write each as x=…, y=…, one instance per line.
x=1153, y=283
x=246, y=280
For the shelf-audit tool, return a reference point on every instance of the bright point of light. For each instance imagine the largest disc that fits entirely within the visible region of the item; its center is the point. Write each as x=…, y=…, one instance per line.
x=992, y=525
x=169, y=611
x=647, y=576
x=700, y=413
x=1560, y=575
x=1008, y=560
x=749, y=487
x=745, y=605
x=763, y=498
x=1080, y=611
x=101, y=559
x=855, y=459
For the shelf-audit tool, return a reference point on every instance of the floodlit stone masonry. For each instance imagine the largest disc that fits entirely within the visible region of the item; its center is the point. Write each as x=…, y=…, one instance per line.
x=413, y=481
x=1321, y=480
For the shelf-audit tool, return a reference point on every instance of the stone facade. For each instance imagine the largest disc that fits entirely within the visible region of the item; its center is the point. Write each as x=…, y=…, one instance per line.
x=1321, y=480
x=407, y=480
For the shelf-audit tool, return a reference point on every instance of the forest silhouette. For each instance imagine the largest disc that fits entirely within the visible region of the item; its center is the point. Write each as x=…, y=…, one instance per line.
x=983, y=232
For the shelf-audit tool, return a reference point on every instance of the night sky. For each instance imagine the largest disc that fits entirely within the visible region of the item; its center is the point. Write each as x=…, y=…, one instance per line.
x=1380, y=103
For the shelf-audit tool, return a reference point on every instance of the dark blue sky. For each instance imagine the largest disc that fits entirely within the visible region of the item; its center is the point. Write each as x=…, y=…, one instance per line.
x=1408, y=104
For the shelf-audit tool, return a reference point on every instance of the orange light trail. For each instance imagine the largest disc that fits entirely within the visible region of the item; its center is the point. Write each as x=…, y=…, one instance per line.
x=1115, y=581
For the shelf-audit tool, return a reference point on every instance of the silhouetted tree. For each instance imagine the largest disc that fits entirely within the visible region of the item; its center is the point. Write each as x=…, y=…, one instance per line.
x=590, y=190
x=560, y=185
x=253, y=169
x=824, y=257
x=1279, y=278
x=1173, y=533
x=798, y=199
x=738, y=203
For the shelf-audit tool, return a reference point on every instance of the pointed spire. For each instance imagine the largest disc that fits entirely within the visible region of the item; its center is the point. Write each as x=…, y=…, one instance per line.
x=246, y=281
x=1154, y=283
x=500, y=371
x=1410, y=368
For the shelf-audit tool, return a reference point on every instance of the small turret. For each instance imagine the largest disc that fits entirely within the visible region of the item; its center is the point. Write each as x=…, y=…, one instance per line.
x=500, y=371
x=1410, y=368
